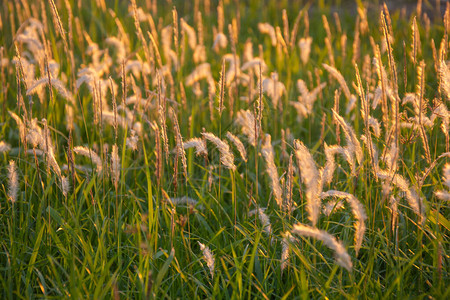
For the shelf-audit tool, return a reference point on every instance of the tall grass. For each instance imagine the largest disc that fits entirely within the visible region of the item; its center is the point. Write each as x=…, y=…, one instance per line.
x=120, y=120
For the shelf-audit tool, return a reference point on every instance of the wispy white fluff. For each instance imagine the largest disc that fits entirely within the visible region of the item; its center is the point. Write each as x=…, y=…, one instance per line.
x=311, y=178
x=137, y=68
x=4, y=147
x=199, y=54
x=108, y=117
x=273, y=88
x=444, y=71
x=352, y=141
x=179, y=140
x=197, y=143
x=263, y=218
x=332, y=206
x=65, y=185
x=234, y=70
x=21, y=125
x=305, y=48
x=209, y=258
x=330, y=165
x=266, y=28
x=246, y=120
x=220, y=41
x=305, y=103
x=226, y=156
x=254, y=64
x=190, y=32
x=121, y=52
x=115, y=165
x=287, y=238
x=13, y=182
x=271, y=169
x=132, y=140
x=445, y=195
x=239, y=145
x=358, y=211
x=441, y=111
x=414, y=99
x=202, y=71
x=414, y=200
x=183, y=200
x=90, y=154
x=56, y=83
x=34, y=135
x=338, y=76
x=341, y=255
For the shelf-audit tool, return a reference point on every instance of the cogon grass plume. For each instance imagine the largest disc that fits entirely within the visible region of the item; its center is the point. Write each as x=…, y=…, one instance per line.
x=246, y=120
x=263, y=218
x=444, y=71
x=352, y=141
x=115, y=166
x=358, y=211
x=330, y=165
x=13, y=182
x=209, y=258
x=305, y=103
x=442, y=194
x=288, y=202
x=268, y=29
x=4, y=147
x=84, y=151
x=239, y=145
x=341, y=255
x=56, y=83
x=305, y=48
x=414, y=200
x=338, y=76
x=179, y=140
x=226, y=156
x=332, y=206
x=287, y=238
x=271, y=169
x=197, y=143
x=311, y=178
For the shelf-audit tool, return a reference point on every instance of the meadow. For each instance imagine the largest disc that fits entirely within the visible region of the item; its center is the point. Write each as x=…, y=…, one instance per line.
x=224, y=149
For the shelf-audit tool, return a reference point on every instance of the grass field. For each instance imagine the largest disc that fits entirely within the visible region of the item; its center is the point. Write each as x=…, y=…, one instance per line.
x=224, y=149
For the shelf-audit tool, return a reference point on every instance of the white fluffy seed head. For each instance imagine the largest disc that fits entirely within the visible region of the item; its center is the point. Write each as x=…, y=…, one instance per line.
x=358, y=211
x=263, y=218
x=209, y=258
x=115, y=166
x=287, y=238
x=226, y=157
x=266, y=28
x=13, y=182
x=445, y=78
x=197, y=143
x=305, y=48
x=413, y=198
x=90, y=154
x=342, y=257
x=239, y=145
x=353, y=144
x=246, y=120
x=271, y=169
x=4, y=147
x=311, y=178
x=65, y=185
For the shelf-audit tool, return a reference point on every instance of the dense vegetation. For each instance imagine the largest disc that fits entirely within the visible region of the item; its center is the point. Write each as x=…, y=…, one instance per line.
x=205, y=149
